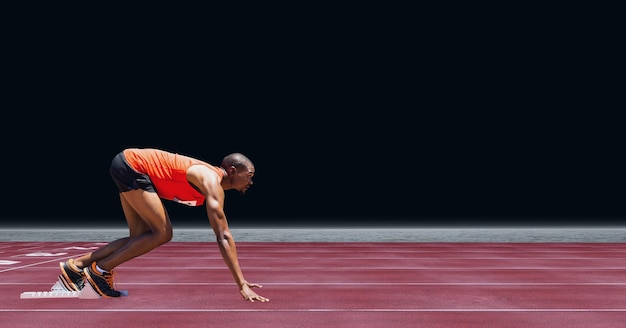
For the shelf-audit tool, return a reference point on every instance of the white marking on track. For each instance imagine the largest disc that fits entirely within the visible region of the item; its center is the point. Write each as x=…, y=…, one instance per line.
x=357, y=283
x=381, y=268
x=323, y=310
x=33, y=264
x=44, y=254
x=80, y=248
x=7, y=262
x=383, y=283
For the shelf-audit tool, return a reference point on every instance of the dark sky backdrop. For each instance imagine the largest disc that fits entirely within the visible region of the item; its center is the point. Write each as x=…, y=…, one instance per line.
x=366, y=121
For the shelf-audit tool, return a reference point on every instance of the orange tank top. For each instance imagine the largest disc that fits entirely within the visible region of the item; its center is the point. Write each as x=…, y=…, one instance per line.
x=168, y=172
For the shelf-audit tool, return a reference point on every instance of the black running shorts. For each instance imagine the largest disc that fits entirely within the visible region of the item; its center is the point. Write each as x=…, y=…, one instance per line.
x=126, y=178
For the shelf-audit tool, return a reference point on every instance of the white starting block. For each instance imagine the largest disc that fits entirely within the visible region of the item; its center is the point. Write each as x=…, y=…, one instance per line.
x=58, y=290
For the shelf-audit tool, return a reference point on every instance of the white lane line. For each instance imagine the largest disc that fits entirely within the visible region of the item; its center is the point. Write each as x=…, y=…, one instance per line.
x=347, y=268
x=37, y=263
x=367, y=258
x=388, y=284
x=350, y=284
x=54, y=256
x=372, y=268
x=324, y=310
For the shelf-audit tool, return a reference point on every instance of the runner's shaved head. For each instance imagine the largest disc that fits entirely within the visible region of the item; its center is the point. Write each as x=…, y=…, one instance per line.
x=237, y=160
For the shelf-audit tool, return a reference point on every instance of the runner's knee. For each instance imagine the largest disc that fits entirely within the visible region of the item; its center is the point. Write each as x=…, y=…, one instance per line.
x=163, y=235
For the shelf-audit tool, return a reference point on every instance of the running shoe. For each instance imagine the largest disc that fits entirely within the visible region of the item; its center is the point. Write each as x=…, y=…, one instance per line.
x=71, y=276
x=102, y=283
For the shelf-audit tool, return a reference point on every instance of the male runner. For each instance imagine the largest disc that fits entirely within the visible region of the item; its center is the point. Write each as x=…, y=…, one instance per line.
x=145, y=177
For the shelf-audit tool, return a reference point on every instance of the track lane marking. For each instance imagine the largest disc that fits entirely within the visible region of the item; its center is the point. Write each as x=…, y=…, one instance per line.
x=326, y=310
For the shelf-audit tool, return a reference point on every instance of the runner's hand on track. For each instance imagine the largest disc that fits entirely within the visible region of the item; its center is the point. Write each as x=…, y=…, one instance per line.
x=249, y=295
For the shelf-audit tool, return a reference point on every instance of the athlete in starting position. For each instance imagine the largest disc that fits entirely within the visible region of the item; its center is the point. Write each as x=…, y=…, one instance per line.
x=144, y=177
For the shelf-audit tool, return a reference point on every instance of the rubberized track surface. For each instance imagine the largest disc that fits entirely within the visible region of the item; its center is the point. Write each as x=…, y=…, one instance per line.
x=332, y=284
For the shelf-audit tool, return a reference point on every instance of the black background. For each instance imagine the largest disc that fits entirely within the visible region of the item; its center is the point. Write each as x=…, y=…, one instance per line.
x=352, y=117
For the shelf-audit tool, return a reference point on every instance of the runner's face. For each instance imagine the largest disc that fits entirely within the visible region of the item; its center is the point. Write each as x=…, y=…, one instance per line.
x=243, y=179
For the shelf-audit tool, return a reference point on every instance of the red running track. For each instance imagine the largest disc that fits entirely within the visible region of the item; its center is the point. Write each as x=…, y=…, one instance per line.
x=332, y=284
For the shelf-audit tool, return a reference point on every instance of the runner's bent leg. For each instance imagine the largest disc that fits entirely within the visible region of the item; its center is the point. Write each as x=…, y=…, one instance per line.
x=142, y=209
x=136, y=227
